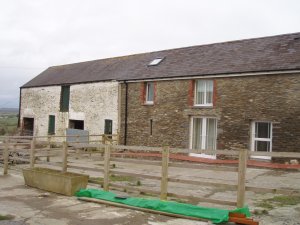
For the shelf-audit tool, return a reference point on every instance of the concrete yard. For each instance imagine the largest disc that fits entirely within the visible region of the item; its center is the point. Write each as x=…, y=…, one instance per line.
x=35, y=207
x=31, y=206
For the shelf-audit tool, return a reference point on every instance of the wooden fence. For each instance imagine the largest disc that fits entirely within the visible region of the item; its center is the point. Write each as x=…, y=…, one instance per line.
x=64, y=151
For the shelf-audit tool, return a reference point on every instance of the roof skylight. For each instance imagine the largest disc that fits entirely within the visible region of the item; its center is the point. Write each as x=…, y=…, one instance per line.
x=156, y=61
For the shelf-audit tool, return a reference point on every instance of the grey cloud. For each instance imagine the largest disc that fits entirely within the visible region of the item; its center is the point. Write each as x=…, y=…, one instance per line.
x=38, y=34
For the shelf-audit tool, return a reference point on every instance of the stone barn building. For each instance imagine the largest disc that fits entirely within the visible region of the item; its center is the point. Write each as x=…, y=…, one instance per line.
x=239, y=94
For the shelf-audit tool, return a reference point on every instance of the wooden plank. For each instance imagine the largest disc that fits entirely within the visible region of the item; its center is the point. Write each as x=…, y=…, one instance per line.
x=237, y=215
x=138, y=148
x=85, y=145
x=59, y=143
x=20, y=159
x=56, y=164
x=131, y=188
x=106, y=167
x=204, y=183
x=199, y=151
x=19, y=150
x=18, y=144
x=242, y=178
x=19, y=137
x=32, y=153
x=199, y=199
x=46, y=154
x=83, y=152
x=86, y=168
x=135, y=161
x=203, y=166
x=157, y=149
x=103, y=139
x=20, y=141
x=164, y=174
x=65, y=157
x=48, y=150
x=115, y=172
x=139, y=209
x=5, y=157
x=243, y=221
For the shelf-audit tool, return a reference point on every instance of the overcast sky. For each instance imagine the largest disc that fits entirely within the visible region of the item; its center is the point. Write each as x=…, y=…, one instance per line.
x=36, y=34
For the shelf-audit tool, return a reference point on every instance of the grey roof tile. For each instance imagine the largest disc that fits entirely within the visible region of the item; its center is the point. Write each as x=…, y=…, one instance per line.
x=274, y=53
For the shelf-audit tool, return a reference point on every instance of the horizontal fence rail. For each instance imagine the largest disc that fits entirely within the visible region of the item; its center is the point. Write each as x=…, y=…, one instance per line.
x=35, y=151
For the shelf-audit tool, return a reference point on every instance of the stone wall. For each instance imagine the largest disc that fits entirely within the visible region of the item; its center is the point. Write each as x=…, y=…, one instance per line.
x=92, y=102
x=238, y=102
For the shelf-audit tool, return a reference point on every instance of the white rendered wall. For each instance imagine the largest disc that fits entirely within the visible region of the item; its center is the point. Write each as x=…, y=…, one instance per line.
x=91, y=102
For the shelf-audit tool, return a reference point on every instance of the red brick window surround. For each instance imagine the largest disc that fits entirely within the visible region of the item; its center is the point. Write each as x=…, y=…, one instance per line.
x=148, y=93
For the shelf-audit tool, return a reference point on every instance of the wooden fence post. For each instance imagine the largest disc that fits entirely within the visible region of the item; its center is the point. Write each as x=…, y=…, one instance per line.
x=48, y=148
x=106, y=167
x=243, y=157
x=164, y=174
x=32, y=152
x=103, y=139
x=65, y=157
x=5, y=156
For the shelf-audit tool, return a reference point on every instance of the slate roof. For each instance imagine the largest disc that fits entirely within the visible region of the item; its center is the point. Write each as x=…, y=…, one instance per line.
x=273, y=53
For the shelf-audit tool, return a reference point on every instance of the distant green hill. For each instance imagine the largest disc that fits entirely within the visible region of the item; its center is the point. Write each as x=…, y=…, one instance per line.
x=8, y=120
x=9, y=110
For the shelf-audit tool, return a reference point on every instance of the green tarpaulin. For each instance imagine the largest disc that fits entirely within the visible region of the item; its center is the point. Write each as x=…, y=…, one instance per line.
x=213, y=214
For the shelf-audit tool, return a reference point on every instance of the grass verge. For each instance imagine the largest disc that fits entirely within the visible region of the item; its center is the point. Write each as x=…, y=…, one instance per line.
x=6, y=217
x=279, y=201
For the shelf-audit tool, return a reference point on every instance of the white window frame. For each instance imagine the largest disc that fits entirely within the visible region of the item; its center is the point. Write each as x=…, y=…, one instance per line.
x=253, y=139
x=205, y=93
x=204, y=125
x=147, y=93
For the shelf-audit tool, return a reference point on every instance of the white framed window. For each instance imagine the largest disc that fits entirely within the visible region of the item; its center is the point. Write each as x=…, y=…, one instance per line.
x=149, y=93
x=204, y=93
x=204, y=134
x=261, y=138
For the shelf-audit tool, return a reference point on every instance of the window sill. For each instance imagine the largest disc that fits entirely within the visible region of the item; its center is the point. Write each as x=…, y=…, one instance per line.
x=148, y=103
x=202, y=106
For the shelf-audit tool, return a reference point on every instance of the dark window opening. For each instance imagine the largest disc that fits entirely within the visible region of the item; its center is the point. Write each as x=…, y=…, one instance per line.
x=28, y=126
x=76, y=124
x=108, y=127
x=51, y=125
x=64, y=98
x=151, y=126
